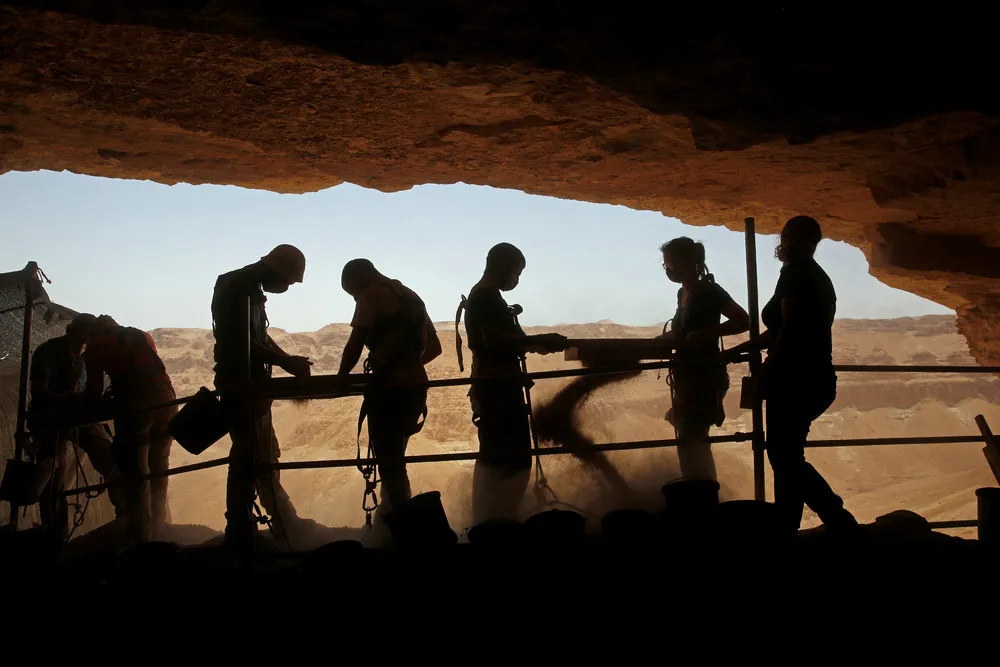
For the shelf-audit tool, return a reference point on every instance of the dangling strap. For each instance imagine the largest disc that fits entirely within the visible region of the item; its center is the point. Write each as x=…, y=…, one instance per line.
x=369, y=471
x=458, y=336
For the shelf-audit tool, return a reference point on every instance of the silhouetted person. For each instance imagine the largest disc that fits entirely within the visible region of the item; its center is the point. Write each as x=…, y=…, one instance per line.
x=392, y=321
x=254, y=443
x=699, y=380
x=58, y=381
x=499, y=409
x=799, y=382
x=142, y=441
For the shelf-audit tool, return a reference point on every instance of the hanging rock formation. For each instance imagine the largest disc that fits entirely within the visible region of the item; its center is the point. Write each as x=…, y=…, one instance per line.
x=883, y=127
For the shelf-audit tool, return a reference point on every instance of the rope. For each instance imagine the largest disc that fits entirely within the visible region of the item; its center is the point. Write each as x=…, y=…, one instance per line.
x=80, y=514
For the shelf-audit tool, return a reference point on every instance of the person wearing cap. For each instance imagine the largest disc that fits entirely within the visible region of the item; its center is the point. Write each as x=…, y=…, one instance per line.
x=254, y=444
x=392, y=321
x=140, y=388
x=58, y=381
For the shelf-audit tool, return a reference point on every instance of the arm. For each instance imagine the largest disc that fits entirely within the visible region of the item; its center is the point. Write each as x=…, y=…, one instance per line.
x=547, y=342
x=274, y=350
x=737, y=322
x=353, y=348
x=432, y=350
x=41, y=377
x=95, y=374
x=761, y=342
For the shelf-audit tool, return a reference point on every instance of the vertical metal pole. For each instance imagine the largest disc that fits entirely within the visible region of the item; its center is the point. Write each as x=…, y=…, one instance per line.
x=30, y=278
x=245, y=356
x=757, y=412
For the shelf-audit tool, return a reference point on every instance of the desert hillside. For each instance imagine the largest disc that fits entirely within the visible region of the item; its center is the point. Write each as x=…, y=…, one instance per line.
x=937, y=481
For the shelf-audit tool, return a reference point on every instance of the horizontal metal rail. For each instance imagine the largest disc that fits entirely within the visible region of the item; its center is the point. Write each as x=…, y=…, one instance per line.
x=862, y=368
x=418, y=458
x=878, y=442
x=472, y=456
x=545, y=451
x=94, y=488
x=287, y=388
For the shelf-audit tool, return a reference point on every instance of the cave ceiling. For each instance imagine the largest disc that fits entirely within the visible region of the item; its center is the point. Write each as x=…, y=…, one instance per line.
x=884, y=124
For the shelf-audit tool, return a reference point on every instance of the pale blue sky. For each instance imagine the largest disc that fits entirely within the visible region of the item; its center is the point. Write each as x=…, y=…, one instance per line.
x=149, y=254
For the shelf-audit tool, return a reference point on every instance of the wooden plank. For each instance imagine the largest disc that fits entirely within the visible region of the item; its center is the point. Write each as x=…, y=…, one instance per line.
x=616, y=350
x=992, y=450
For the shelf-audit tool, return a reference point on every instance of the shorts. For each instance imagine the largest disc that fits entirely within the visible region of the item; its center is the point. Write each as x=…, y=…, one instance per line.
x=697, y=393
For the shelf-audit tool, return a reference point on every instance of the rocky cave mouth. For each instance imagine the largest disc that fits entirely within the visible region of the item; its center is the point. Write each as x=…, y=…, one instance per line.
x=884, y=131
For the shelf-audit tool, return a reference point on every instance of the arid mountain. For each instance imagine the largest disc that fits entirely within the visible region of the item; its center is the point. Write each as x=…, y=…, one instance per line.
x=937, y=481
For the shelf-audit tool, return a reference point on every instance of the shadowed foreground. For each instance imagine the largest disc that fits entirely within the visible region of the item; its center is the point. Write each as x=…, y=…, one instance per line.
x=684, y=560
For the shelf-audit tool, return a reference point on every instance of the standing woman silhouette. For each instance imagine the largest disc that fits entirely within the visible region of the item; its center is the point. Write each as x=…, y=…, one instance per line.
x=699, y=379
x=799, y=382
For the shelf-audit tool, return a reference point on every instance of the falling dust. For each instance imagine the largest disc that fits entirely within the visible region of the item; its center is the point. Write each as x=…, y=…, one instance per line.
x=562, y=420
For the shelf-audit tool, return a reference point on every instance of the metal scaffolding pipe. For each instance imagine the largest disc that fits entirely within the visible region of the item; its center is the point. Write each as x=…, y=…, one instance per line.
x=286, y=388
x=20, y=433
x=862, y=368
x=94, y=488
x=876, y=442
x=757, y=411
x=471, y=456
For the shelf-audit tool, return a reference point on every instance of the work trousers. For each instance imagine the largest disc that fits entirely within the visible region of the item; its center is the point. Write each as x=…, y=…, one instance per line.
x=57, y=466
x=142, y=447
x=254, y=447
x=694, y=453
x=792, y=406
x=503, y=471
x=393, y=417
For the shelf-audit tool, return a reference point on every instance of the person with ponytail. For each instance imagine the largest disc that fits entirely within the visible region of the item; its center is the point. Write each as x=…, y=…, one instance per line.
x=699, y=379
x=799, y=381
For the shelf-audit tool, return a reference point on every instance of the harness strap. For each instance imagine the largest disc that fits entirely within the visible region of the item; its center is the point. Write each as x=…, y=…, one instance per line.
x=458, y=337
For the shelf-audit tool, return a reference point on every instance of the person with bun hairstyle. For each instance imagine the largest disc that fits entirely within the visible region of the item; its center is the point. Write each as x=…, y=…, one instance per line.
x=699, y=379
x=799, y=382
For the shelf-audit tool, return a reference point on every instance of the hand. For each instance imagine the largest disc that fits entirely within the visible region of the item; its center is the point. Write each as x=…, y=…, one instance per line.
x=553, y=342
x=297, y=366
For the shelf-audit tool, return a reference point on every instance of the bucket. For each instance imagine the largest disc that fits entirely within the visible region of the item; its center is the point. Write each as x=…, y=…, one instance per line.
x=23, y=482
x=751, y=523
x=328, y=558
x=988, y=515
x=628, y=526
x=690, y=496
x=421, y=523
x=199, y=424
x=497, y=534
x=556, y=528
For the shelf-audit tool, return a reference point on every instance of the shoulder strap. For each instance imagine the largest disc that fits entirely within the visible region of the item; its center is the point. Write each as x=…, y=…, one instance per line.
x=458, y=336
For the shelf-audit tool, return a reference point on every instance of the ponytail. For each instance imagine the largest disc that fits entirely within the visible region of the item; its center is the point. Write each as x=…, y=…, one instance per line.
x=688, y=250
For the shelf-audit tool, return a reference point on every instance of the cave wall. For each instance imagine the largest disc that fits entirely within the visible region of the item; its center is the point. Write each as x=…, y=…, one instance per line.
x=882, y=126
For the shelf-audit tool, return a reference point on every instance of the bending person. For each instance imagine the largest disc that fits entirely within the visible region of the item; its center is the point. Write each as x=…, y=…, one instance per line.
x=392, y=321
x=799, y=382
x=142, y=441
x=699, y=380
x=255, y=444
x=58, y=382
x=499, y=409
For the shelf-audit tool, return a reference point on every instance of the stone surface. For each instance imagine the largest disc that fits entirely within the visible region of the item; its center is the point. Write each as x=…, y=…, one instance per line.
x=883, y=127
